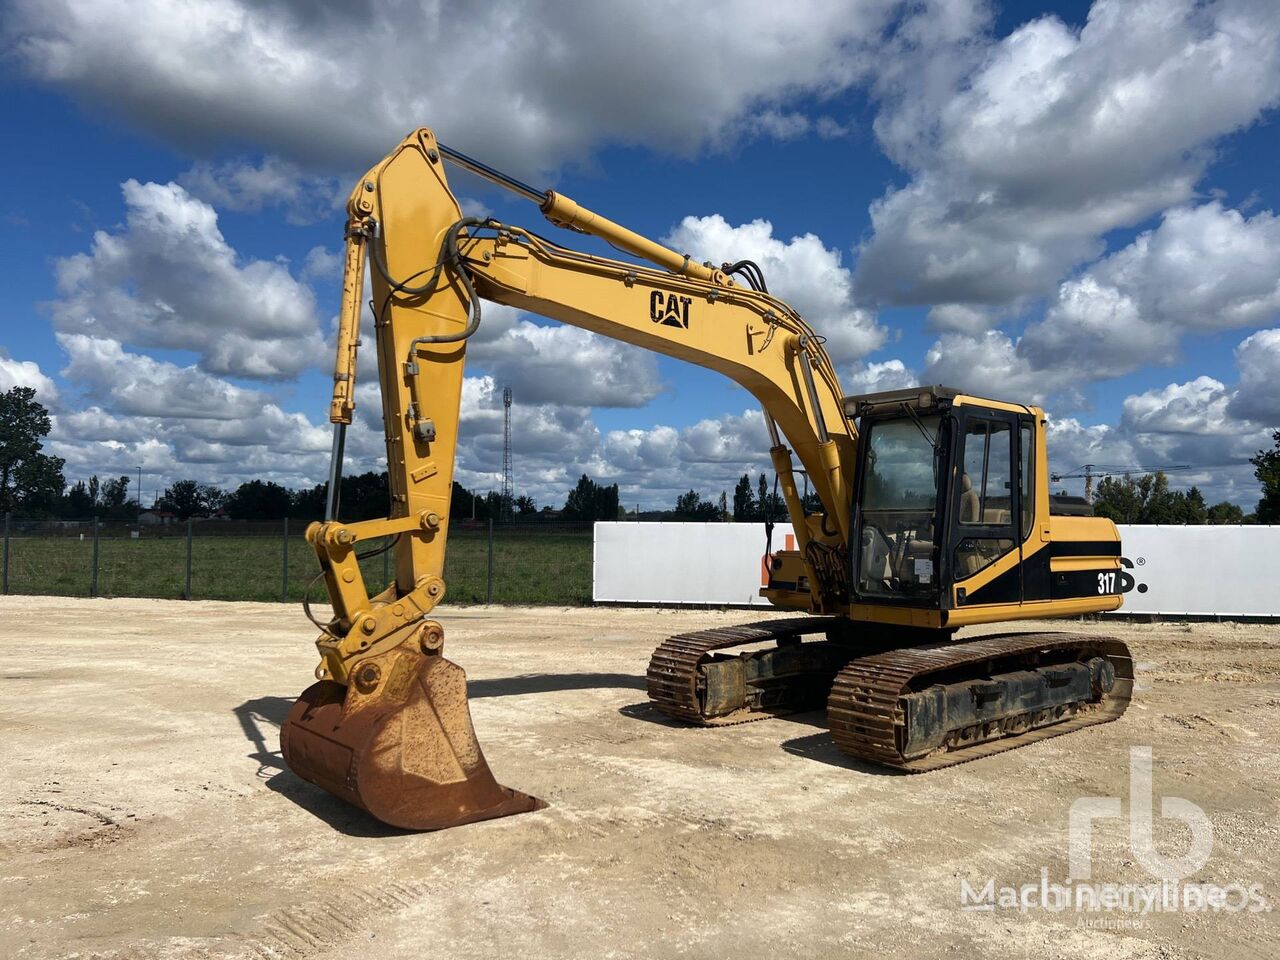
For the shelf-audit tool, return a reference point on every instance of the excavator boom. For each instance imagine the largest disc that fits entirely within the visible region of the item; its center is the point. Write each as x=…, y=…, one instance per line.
x=387, y=726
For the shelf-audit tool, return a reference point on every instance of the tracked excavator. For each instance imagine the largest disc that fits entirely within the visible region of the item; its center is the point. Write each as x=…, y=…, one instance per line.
x=935, y=514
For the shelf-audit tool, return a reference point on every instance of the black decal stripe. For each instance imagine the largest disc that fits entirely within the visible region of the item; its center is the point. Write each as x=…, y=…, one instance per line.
x=1039, y=582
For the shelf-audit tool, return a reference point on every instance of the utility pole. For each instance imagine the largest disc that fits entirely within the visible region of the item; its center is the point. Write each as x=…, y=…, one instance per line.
x=139, y=492
x=1088, y=483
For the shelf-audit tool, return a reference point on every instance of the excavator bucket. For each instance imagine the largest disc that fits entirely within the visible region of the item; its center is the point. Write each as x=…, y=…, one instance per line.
x=398, y=743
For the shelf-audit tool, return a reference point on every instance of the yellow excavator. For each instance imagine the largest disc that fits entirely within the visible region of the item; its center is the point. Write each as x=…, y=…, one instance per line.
x=935, y=514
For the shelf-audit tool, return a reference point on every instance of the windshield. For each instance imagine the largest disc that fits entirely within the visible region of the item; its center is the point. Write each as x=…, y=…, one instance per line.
x=899, y=497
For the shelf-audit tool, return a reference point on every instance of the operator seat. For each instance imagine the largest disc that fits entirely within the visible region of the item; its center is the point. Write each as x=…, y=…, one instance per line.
x=967, y=561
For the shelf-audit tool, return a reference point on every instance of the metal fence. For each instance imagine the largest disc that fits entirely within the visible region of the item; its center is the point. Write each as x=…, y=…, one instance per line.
x=536, y=563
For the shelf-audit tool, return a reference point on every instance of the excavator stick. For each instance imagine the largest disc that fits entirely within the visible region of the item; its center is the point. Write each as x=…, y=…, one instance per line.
x=398, y=743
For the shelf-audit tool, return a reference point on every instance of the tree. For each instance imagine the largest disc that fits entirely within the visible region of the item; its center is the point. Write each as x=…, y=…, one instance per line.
x=1194, y=509
x=1118, y=499
x=691, y=506
x=187, y=498
x=723, y=508
x=308, y=504
x=259, y=500
x=744, y=504
x=1148, y=499
x=30, y=480
x=770, y=506
x=1225, y=512
x=591, y=501
x=526, y=505
x=114, y=500
x=1266, y=467
x=77, y=504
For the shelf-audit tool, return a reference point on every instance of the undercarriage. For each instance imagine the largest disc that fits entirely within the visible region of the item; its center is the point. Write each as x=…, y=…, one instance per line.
x=890, y=699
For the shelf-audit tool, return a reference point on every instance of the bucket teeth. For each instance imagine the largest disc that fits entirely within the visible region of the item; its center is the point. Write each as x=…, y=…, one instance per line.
x=399, y=744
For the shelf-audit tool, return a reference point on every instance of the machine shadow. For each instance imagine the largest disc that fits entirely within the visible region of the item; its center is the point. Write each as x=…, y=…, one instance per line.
x=261, y=718
x=549, y=682
x=820, y=747
x=646, y=711
x=337, y=814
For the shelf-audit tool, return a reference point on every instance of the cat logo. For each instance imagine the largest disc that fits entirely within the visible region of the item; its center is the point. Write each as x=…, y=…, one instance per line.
x=669, y=310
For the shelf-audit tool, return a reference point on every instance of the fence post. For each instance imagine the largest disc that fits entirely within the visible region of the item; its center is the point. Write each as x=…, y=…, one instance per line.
x=92, y=581
x=186, y=594
x=489, y=592
x=8, y=516
x=284, y=564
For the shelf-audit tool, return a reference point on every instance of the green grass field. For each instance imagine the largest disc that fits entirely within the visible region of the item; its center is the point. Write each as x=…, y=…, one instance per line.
x=530, y=566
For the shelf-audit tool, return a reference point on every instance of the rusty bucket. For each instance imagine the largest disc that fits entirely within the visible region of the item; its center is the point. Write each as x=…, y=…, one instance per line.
x=398, y=743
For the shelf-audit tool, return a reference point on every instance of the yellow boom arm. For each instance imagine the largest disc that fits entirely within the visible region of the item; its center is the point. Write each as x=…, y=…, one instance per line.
x=432, y=266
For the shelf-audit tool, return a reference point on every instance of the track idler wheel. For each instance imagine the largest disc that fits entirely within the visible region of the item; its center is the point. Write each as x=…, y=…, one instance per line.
x=398, y=743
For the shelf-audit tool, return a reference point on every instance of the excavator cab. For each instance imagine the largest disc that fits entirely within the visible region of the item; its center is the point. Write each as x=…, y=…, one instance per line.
x=952, y=514
x=944, y=491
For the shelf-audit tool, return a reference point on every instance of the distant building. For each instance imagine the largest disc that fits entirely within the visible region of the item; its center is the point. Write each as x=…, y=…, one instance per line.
x=156, y=517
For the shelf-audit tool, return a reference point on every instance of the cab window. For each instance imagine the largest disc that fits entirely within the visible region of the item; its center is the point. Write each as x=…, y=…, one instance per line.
x=985, y=520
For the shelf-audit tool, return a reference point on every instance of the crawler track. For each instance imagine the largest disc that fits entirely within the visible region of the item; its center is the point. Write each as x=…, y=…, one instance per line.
x=865, y=707
x=673, y=681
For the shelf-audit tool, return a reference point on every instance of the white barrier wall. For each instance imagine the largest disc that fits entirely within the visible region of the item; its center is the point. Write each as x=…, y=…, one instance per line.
x=1199, y=571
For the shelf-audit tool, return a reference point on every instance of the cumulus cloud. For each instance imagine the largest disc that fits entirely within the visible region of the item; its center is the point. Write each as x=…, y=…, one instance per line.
x=132, y=383
x=26, y=373
x=877, y=377
x=1257, y=396
x=1202, y=269
x=568, y=366
x=1024, y=151
x=991, y=364
x=960, y=318
x=248, y=187
x=802, y=271
x=170, y=280
x=176, y=422
x=556, y=80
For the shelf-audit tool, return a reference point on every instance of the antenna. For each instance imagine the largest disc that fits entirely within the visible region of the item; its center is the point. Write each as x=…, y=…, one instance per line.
x=508, y=493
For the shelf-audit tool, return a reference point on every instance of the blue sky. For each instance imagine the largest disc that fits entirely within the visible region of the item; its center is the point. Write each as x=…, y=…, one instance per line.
x=1068, y=203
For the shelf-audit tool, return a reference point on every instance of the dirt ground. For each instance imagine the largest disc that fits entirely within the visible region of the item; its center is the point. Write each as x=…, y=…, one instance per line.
x=145, y=811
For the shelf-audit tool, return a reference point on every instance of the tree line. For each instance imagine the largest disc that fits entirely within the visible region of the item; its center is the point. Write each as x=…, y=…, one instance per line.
x=1148, y=499
x=32, y=485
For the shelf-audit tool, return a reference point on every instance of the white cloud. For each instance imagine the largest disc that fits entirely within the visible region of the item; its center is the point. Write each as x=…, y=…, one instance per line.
x=138, y=385
x=802, y=271
x=1257, y=396
x=568, y=366
x=323, y=264
x=961, y=318
x=247, y=187
x=177, y=422
x=1024, y=151
x=169, y=280
x=26, y=373
x=877, y=377
x=525, y=83
x=990, y=365
x=1202, y=269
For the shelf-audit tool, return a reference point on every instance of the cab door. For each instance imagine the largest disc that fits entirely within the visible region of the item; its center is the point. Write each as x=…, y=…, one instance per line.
x=983, y=541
